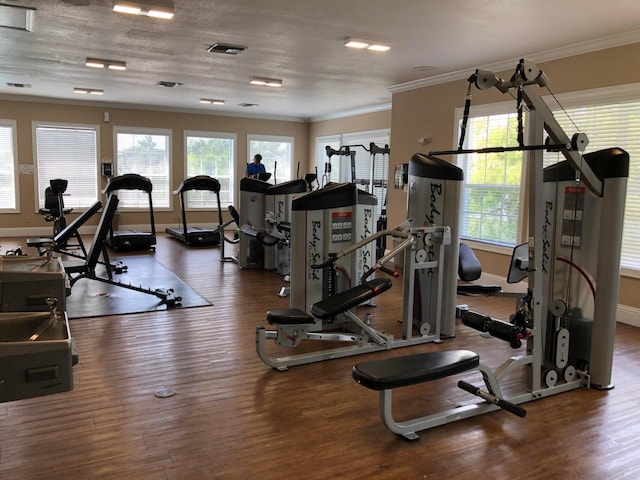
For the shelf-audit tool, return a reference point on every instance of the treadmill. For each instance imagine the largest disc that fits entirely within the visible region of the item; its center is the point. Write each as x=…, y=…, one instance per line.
x=193, y=235
x=130, y=240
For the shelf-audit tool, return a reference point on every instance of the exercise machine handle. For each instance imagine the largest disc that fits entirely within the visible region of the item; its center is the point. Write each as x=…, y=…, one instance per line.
x=504, y=404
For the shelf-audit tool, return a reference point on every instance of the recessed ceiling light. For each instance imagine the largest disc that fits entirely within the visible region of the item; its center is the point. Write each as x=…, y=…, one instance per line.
x=90, y=91
x=17, y=18
x=226, y=49
x=141, y=8
x=361, y=44
x=211, y=101
x=169, y=84
x=110, y=64
x=268, y=82
x=424, y=68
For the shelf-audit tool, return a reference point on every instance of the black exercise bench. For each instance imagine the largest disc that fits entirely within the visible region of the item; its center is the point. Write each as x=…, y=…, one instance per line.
x=385, y=375
x=58, y=243
x=330, y=306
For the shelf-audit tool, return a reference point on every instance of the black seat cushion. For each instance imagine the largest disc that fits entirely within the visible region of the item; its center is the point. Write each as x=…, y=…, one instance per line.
x=343, y=301
x=412, y=369
x=288, y=316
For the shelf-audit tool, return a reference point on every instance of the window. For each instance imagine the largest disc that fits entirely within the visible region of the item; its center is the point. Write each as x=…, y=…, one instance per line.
x=491, y=191
x=277, y=155
x=147, y=153
x=613, y=124
x=9, y=192
x=492, y=186
x=69, y=152
x=212, y=154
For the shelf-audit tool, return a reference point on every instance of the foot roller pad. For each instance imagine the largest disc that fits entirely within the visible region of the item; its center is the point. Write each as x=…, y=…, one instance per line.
x=288, y=316
x=412, y=369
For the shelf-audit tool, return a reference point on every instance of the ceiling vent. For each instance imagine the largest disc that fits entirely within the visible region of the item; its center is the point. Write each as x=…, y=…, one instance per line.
x=19, y=85
x=169, y=84
x=247, y=105
x=18, y=18
x=226, y=49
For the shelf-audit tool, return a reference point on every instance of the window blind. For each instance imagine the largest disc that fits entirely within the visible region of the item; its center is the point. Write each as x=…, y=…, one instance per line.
x=614, y=125
x=210, y=154
x=69, y=153
x=8, y=165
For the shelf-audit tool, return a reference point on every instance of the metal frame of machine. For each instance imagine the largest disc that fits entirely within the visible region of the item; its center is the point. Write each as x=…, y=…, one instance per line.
x=334, y=314
x=542, y=317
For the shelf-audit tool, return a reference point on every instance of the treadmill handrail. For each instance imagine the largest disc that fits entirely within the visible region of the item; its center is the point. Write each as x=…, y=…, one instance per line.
x=129, y=181
x=199, y=182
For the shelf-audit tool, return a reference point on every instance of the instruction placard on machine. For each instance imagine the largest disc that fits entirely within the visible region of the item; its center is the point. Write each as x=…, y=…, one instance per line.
x=341, y=226
x=572, y=216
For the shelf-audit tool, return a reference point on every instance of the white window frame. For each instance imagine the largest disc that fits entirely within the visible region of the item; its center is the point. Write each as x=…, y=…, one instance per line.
x=40, y=188
x=585, y=98
x=232, y=162
x=252, y=137
x=157, y=206
x=13, y=125
x=499, y=108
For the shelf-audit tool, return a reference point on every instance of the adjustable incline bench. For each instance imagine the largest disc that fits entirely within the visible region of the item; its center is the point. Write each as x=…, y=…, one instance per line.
x=385, y=375
x=77, y=270
x=58, y=243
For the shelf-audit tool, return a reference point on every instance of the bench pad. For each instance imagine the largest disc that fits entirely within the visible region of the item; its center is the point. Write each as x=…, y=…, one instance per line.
x=474, y=289
x=412, y=369
x=288, y=316
x=343, y=301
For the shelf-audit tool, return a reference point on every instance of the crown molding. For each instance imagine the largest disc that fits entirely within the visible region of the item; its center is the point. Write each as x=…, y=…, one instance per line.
x=546, y=56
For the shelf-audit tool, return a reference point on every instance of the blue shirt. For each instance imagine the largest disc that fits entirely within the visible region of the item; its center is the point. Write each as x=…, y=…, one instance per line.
x=254, y=169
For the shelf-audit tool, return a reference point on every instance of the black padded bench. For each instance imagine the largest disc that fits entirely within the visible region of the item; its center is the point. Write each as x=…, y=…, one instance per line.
x=385, y=375
x=347, y=299
x=330, y=306
x=411, y=369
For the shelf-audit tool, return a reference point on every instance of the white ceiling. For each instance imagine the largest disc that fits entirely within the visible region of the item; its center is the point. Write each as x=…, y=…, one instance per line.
x=298, y=41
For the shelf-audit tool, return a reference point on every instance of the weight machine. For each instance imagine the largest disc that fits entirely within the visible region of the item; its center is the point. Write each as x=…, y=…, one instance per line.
x=333, y=319
x=576, y=211
x=375, y=180
x=54, y=210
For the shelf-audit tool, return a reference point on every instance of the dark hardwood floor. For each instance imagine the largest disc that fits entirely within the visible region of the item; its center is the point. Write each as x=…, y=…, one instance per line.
x=232, y=417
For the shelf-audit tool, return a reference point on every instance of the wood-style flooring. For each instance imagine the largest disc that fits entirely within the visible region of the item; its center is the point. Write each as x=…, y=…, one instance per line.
x=232, y=417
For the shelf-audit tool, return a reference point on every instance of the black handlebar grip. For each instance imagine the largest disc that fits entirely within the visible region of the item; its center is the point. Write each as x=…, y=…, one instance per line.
x=388, y=271
x=504, y=404
x=512, y=408
x=475, y=320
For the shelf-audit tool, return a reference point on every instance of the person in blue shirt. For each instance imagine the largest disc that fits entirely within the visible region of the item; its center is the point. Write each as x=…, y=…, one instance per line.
x=255, y=168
